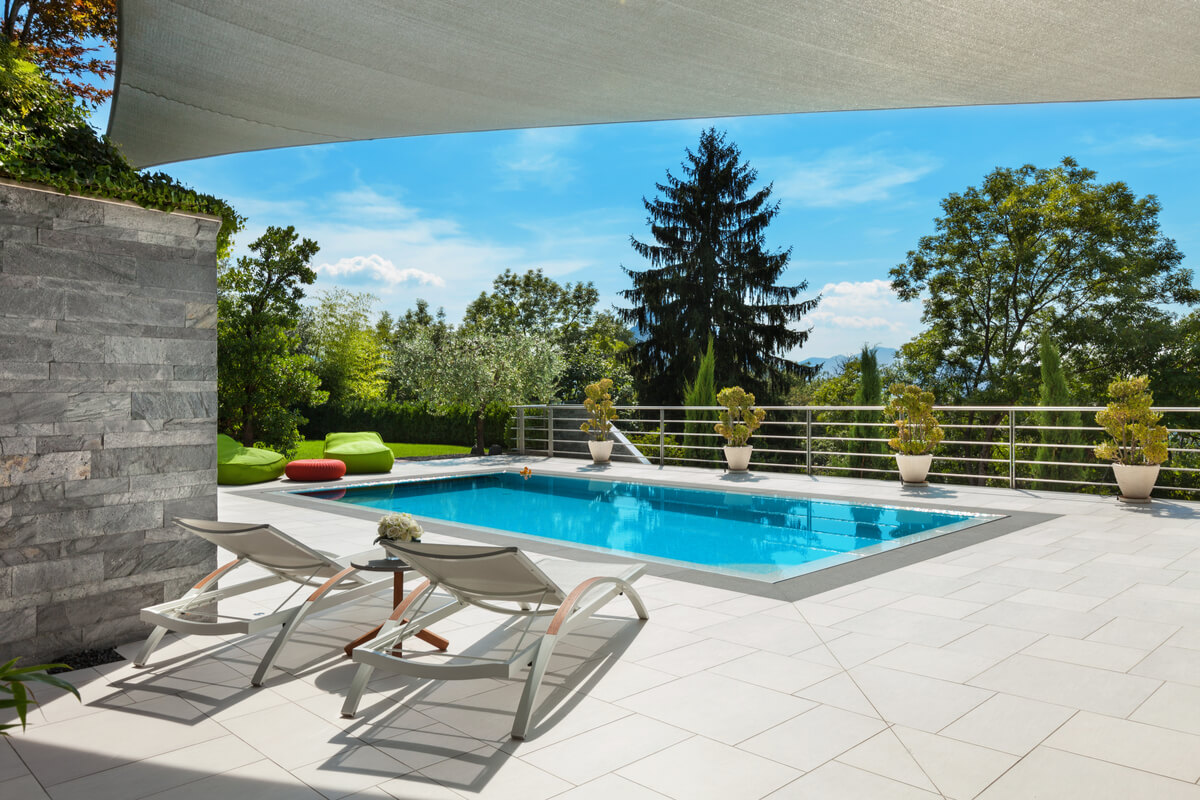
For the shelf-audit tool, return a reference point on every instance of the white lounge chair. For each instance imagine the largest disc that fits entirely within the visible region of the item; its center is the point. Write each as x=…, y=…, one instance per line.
x=286, y=559
x=485, y=577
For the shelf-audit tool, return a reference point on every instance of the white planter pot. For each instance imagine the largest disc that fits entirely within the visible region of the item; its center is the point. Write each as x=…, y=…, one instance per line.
x=738, y=458
x=601, y=451
x=1136, y=481
x=913, y=469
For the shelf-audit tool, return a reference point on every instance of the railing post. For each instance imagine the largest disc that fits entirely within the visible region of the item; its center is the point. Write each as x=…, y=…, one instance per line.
x=521, y=431
x=1012, y=448
x=808, y=460
x=662, y=443
x=550, y=431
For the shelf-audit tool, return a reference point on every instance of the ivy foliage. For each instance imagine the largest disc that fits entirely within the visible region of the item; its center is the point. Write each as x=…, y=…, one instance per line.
x=45, y=138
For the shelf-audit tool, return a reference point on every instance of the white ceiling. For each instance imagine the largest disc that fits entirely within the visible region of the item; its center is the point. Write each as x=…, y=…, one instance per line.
x=206, y=77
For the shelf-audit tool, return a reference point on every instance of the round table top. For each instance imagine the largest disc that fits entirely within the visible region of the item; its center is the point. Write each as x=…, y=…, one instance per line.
x=382, y=565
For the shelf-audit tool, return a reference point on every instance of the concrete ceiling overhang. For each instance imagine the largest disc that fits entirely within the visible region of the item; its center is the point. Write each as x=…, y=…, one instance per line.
x=206, y=77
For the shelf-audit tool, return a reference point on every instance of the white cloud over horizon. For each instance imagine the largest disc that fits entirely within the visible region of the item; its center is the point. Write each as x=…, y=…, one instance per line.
x=845, y=176
x=380, y=269
x=852, y=313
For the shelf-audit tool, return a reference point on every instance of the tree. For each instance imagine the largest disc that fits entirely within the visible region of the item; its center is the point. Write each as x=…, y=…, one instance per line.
x=1054, y=392
x=1036, y=249
x=62, y=37
x=702, y=392
x=868, y=393
x=591, y=343
x=533, y=303
x=261, y=378
x=464, y=366
x=347, y=354
x=711, y=273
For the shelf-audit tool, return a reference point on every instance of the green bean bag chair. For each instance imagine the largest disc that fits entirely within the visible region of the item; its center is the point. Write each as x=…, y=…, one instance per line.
x=360, y=452
x=238, y=465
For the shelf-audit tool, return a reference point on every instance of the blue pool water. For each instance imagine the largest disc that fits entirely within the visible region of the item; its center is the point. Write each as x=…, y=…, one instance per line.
x=755, y=536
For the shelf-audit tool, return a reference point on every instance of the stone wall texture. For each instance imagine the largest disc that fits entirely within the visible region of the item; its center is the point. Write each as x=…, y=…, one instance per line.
x=108, y=405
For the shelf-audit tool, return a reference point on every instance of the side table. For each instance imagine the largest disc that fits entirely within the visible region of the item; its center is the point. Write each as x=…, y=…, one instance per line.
x=397, y=567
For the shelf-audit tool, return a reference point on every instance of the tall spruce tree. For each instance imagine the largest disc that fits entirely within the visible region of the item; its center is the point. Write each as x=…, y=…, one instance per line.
x=711, y=273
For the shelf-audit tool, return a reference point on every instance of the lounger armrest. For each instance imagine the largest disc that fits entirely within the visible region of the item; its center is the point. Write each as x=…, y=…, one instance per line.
x=576, y=596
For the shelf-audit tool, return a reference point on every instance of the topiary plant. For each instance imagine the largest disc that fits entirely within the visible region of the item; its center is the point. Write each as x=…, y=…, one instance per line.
x=599, y=406
x=1137, y=438
x=739, y=419
x=917, y=430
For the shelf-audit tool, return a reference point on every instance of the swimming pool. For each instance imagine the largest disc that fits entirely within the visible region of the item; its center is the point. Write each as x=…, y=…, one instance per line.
x=763, y=537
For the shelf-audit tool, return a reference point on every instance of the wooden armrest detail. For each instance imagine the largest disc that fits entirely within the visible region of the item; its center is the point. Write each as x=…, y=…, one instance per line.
x=217, y=573
x=329, y=584
x=569, y=604
x=398, y=612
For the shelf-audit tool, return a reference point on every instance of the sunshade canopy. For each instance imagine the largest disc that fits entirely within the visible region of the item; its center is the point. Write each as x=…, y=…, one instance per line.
x=205, y=77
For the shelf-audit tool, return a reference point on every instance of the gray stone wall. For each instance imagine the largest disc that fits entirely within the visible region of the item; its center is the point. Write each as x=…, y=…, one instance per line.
x=108, y=404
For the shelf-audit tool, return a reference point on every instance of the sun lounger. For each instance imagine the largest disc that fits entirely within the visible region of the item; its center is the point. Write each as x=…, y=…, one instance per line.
x=499, y=579
x=286, y=561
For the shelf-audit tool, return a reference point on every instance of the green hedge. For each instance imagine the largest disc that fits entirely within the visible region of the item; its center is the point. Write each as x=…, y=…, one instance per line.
x=415, y=423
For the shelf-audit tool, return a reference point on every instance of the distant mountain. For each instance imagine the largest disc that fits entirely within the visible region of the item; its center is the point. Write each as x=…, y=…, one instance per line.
x=829, y=366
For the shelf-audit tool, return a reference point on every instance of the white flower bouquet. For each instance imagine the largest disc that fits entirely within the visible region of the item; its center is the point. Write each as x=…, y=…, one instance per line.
x=400, y=528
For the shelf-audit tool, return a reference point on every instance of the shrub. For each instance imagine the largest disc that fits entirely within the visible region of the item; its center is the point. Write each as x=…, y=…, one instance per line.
x=917, y=429
x=45, y=138
x=1137, y=438
x=416, y=423
x=739, y=419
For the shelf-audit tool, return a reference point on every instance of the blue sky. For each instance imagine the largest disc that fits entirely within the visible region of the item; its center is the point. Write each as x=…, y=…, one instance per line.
x=438, y=217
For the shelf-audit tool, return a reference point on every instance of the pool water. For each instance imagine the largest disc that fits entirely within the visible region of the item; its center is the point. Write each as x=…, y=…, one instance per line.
x=764, y=537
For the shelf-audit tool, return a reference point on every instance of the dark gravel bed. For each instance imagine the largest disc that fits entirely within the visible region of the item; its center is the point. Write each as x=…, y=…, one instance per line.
x=87, y=658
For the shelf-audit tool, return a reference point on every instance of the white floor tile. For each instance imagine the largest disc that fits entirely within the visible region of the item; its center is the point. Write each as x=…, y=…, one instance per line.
x=837, y=781
x=1009, y=724
x=1086, y=688
x=721, y=708
x=1058, y=775
x=1132, y=744
x=679, y=772
x=809, y=740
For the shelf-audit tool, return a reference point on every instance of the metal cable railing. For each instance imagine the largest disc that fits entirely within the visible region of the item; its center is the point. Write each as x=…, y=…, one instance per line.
x=1015, y=446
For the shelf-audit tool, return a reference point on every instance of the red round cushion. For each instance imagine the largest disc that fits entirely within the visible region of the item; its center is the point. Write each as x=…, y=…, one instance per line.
x=315, y=469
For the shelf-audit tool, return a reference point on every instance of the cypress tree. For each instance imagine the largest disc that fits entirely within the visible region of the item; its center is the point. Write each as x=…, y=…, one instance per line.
x=869, y=393
x=1054, y=392
x=702, y=392
x=711, y=272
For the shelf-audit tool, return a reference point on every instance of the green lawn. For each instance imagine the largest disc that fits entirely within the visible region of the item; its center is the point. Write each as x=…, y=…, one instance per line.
x=400, y=450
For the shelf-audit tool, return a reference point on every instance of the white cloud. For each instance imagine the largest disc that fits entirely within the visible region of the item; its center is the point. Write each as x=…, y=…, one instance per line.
x=535, y=156
x=379, y=269
x=845, y=176
x=1140, y=143
x=366, y=203
x=854, y=312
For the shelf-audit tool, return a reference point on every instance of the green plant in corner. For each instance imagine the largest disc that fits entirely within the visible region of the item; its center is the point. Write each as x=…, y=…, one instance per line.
x=740, y=418
x=599, y=406
x=15, y=694
x=917, y=430
x=1137, y=438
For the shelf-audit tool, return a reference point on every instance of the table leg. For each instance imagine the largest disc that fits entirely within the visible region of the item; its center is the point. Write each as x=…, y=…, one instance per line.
x=397, y=597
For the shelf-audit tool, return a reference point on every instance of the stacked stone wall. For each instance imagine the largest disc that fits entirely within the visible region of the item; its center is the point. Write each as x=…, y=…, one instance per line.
x=108, y=409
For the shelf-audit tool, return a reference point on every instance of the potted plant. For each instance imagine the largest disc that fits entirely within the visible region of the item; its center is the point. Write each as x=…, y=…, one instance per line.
x=599, y=407
x=917, y=430
x=1139, y=443
x=739, y=420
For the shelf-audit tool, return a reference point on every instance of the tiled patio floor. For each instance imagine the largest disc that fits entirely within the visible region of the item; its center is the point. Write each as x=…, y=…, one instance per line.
x=1060, y=661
